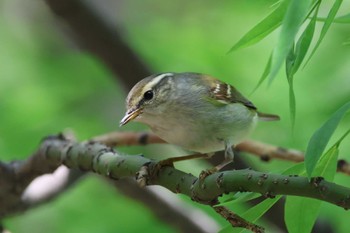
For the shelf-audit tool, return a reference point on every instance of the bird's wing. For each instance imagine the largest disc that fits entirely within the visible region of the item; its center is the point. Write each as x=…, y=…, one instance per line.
x=223, y=93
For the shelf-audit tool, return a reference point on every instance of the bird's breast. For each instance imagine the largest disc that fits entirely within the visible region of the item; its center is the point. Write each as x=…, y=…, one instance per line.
x=204, y=131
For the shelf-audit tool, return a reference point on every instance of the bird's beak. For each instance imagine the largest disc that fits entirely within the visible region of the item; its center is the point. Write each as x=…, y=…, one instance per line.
x=130, y=115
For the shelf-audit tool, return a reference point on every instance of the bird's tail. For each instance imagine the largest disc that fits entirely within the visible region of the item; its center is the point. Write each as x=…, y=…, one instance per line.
x=268, y=117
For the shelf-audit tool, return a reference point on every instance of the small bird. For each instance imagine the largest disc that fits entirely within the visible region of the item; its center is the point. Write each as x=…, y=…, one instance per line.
x=194, y=111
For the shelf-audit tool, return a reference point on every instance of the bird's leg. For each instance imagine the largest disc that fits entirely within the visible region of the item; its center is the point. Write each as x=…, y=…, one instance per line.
x=229, y=155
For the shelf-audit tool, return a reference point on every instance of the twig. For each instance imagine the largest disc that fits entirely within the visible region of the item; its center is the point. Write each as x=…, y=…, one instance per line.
x=236, y=220
x=113, y=139
x=267, y=151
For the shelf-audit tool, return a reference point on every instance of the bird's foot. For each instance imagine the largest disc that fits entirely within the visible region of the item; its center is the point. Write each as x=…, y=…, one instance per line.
x=161, y=164
x=217, y=168
x=150, y=170
x=205, y=173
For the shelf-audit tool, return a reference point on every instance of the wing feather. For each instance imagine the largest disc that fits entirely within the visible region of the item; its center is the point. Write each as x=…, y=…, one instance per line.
x=225, y=93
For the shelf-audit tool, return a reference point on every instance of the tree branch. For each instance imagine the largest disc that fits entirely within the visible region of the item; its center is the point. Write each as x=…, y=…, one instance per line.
x=263, y=150
x=33, y=188
x=101, y=159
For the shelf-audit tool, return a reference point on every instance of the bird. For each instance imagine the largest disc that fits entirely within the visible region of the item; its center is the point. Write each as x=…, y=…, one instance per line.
x=195, y=111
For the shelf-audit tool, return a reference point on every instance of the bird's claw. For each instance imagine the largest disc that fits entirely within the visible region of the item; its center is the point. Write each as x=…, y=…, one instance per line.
x=161, y=164
x=148, y=171
x=205, y=173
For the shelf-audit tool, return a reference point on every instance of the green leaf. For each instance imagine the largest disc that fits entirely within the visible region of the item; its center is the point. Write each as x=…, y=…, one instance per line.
x=289, y=67
x=300, y=212
x=263, y=28
x=327, y=167
x=239, y=198
x=320, y=138
x=340, y=19
x=337, y=144
x=303, y=44
x=297, y=169
x=264, y=75
x=290, y=59
x=292, y=102
x=295, y=58
x=255, y=213
x=328, y=164
x=296, y=14
x=326, y=25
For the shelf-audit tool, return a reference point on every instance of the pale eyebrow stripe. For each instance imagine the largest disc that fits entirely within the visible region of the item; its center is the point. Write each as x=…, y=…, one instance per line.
x=156, y=80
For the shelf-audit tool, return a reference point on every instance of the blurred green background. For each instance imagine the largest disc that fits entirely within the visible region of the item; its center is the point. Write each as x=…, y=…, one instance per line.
x=47, y=85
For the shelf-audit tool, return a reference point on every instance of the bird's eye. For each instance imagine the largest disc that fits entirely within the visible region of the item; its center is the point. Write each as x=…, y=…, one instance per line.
x=148, y=95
